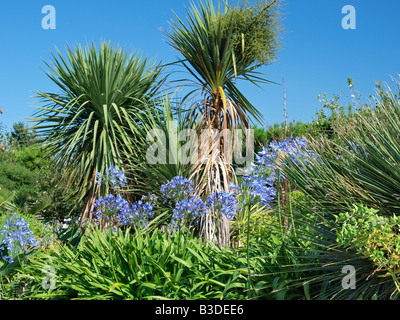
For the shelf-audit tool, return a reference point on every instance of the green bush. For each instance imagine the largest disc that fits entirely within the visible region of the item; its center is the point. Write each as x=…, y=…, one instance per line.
x=15, y=176
x=30, y=181
x=373, y=236
x=261, y=219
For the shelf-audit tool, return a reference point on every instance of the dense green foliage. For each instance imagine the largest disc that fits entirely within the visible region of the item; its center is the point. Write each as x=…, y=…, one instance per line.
x=256, y=28
x=31, y=182
x=130, y=266
x=301, y=216
x=359, y=166
x=296, y=249
x=373, y=235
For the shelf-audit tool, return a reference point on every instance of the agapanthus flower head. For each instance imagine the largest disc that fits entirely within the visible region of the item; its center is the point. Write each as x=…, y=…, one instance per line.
x=140, y=212
x=112, y=176
x=259, y=188
x=289, y=147
x=110, y=206
x=177, y=189
x=16, y=235
x=188, y=211
x=224, y=202
x=258, y=183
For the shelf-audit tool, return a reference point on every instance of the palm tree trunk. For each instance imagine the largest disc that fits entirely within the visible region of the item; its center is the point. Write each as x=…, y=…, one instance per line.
x=216, y=226
x=87, y=212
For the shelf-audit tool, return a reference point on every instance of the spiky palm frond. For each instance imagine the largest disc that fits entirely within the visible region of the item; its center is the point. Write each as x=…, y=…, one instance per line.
x=91, y=123
x=207, y=48
x=162, y=123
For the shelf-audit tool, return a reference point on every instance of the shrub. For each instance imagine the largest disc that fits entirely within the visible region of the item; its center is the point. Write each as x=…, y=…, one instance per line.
x=363, y=167
x=373, y=236
x=14, y=176
x=31, y=182
x=259, y=226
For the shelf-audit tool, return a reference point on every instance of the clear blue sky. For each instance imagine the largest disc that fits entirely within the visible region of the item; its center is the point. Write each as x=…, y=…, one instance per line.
x=317, y=55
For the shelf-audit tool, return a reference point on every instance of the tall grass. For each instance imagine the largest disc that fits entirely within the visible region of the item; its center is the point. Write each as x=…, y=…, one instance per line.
x=362, y=166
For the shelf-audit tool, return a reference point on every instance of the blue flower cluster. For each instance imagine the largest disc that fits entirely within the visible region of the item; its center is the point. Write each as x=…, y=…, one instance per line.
x=176, y=190
x=188, y=208
x=110, y=206
x=224, y=202
x=258, y=184
x=112, y=176
x=291, y=147
x=115, y=207
x=15, y=236
x=189, y=211
x=259, y=188
x=180, y=193
x=139, y=212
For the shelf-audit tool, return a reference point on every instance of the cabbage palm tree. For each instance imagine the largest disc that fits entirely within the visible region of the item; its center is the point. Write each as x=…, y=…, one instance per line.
x=91, y=123
x=219, y=48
